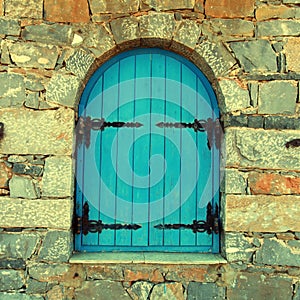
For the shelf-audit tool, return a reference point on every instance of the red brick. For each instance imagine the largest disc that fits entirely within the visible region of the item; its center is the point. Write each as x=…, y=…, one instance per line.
x=229, y=8
x=66, y=11
x=273, y=184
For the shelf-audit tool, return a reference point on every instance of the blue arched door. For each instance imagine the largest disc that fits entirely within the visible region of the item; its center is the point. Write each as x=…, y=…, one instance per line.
x=147, y=167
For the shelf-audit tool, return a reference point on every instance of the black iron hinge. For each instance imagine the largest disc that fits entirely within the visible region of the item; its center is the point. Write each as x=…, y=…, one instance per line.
x=86, y=124
x=210, y=225
x=85, y=225
x=212, y=127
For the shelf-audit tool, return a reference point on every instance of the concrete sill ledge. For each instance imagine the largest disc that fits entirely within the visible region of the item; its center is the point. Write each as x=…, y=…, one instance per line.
x=147, y=258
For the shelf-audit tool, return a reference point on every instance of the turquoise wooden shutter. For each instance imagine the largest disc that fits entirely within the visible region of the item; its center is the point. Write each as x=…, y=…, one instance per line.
x=147, y=152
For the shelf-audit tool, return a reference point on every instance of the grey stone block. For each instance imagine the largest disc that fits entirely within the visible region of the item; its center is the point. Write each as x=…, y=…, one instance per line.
x=260, y=286
x=12, y=263
x=48, y=272
x=64, y=89
x=11, y=280
x=103, y=289
x=235, y=183
x=169, y=4
x=216, y=56
x=207, y=291
x=18, y=246
x=12, y=90
x=255, y=55
x=23, y=187
x=278, y=122
x=274, y=252
x=58, y=177
x=54, y=34
x=140, y=290
x=188, y=33
x=26, y=169
x=30, y=55
x=9, y=26
x=278, y=28
x=79, y=63
x=25, y=9
x=277, y=97
x=234, y=96
x=56, y=247
x=19, y=296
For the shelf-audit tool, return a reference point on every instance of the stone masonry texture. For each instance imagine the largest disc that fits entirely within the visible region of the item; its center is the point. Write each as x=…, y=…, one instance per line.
x=248, y=50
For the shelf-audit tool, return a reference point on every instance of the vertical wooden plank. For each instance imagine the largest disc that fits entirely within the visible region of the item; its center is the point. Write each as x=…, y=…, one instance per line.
x=172, y=151
x=91, y=157
x=157, y=162
x=125, y=156
x=188, y=155
x=204, y=187
x=108, y=171
x=141, y=149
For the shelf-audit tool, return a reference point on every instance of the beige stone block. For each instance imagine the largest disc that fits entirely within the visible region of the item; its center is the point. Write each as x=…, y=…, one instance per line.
x=24, y=9
x=262, y=213
x=292, y=49
x=36, y=213
x=37, y=132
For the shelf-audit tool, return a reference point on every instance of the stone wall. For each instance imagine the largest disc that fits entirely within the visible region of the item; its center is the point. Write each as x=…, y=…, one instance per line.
x=248, y=49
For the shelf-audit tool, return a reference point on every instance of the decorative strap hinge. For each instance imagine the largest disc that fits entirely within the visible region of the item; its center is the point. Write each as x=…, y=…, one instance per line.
x=85, y=225
x=212, y=127
x=86, y=124
x=210, y=225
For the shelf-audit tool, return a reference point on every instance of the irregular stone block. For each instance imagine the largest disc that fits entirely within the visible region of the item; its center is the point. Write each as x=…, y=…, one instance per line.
x=157, y=26
x=24, y=9
x=79, y=63
x=278, y=28
x=64, y=89
x=36, y=287
x=12, y=90
x=97, y=39
x=279, y=122
x=38, y=213
x=55, y=34
x=103, y=289
x=140, y=290
x=217, y=57
x=22, y=187
x=11, y=280
x=292, y=49
x=26, y=139
x=234, y=27
x=113, y=6
x=277, y=97
x=273, y=184
x=125, y=30
x=19, y=296
x=188, y=33
x=207, y=291
x=9, y=27
x=234, y=96
x=12, y=264
x=255, y=55
x=18, y=245
x=235, y=183
x=187, y=273
x=5, y=175
x=261, y=148
x=259, y=286
x=229, y=8
x=26, y=169
x=274, y=11
x=276, y=252
x=57, y=246
x=33, y=56
x=105, y=272
x=159, y=5
x=58, y=177
x=138, y=273
x=48, y=272
x=67, y=11
x=238, y=247
x=167, y=291
x=264, y=213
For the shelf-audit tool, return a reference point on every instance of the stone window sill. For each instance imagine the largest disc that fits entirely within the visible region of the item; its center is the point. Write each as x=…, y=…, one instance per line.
x=147, y=258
